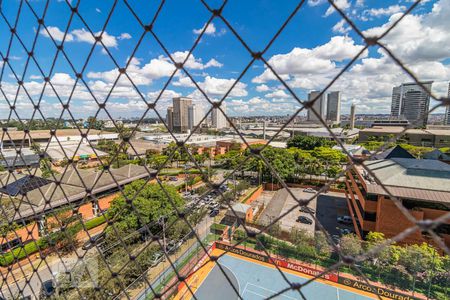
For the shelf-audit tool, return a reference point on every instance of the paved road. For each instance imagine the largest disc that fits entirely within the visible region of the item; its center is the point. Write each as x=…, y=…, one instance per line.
x=203, y=230
x=329, y=207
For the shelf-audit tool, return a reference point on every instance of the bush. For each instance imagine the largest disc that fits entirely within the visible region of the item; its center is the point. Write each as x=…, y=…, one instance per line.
x=217, y=228
x=16, y=254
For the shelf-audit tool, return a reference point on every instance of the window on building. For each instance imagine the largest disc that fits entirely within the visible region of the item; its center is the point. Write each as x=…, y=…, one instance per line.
x=371, y=197
x=370, y=216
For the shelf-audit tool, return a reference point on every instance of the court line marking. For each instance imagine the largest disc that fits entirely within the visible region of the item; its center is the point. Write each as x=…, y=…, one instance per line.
x=302, y=275
x=237, y=278
x=269, y=290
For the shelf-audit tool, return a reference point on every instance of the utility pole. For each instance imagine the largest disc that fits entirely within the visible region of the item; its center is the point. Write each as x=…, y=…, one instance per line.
x=162, y=222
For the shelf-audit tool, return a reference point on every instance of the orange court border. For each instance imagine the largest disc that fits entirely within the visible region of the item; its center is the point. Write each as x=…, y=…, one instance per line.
x=198, y=277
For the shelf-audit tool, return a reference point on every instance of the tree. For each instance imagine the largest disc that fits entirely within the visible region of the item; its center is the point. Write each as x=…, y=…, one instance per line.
x=309, y=142
x=93, y=123
x=323, y=248
x=148, y=205
x=300, y=237
x=350, y=245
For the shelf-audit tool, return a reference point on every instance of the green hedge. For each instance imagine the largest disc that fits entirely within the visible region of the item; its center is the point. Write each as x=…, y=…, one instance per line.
x=42, y=243
x=183, y=185
x=22, y=252
x=215, y=227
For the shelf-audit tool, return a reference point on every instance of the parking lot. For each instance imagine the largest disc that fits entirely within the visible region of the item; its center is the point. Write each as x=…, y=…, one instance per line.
x=327, y=207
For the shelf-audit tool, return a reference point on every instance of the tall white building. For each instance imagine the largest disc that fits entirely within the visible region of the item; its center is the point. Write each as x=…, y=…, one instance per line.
x=352, y=116
x=169, y=118
x=180, y=113
x=320, y=106
x=195, y=115
x=334, y=107
x=447, y=109
x=218, y=119
x=411, y=102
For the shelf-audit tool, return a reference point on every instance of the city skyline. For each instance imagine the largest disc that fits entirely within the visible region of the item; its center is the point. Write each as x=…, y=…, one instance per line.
x=305, y=63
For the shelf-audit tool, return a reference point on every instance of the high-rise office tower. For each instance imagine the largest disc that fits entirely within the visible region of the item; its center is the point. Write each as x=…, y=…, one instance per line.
x=180, y=114
x=195, y=115
x=218, y=119
x=411, y=102
x=352, y=116
x=320, y=106
x=447, y=109
x=169, y=118
x=334, y=107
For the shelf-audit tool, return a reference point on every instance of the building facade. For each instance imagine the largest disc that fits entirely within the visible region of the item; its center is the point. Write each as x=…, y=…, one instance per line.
x=195, y=115
x=447, y=109
x=218, y=119
x=334, y=107
x=421, y=187
x=411, y=102
x=180, y=114
x=320, y=106
x=169, y=118
x=437, y=138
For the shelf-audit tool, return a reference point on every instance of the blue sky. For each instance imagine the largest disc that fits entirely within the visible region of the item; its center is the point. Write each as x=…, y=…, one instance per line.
x=311, y=50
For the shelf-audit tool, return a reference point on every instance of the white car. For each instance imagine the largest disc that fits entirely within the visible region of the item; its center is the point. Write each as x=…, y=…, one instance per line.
x=309, y=190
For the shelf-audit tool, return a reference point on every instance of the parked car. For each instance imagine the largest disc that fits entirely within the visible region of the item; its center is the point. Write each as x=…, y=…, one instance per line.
x=172, y=246
x=344, y=219
x=157, y=257
x=173, y=178
x=345, y=231
x=304, y=220
x=336, y=238
x=94, y=240
x=309, y=190
x=306, y=209
x=48, y=289
x=214, y=213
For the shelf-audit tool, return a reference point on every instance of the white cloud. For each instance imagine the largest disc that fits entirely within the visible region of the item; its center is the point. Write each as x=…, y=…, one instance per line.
x=124, y=36
x=210, y=30
x=157, y=68
x=56, y=33
x=419, y=37
x=340, y=27
x=341, y=4
x=194, y=63
x=379, y=12
x=35, y=77
x=279, y=94
x=262, y=88
x=302, y=61
x=83, y=36
x=217, y=87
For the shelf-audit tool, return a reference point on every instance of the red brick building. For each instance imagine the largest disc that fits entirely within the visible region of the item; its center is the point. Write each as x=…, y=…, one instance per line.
x=421, y=186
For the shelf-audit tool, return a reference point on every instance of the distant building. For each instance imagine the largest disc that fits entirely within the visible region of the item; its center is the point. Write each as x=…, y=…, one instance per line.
x=320, y=106
x=218, y=119
x=18, y=138
x=180, y=114
x=421, y=186
x=447, y=109
x=394, y=152
x=10, y=158
x=352, y=116
x=334, y=107
x=411, y=102
x=195, y=115
x=418, y=137
x=169, y=118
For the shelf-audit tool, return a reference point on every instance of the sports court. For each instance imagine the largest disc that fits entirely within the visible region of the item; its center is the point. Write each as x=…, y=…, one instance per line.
x=259, y=280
